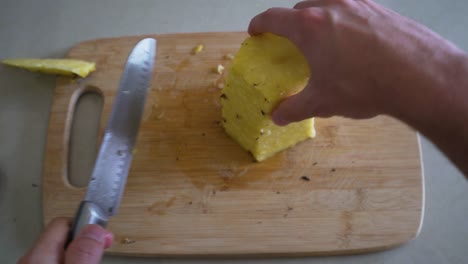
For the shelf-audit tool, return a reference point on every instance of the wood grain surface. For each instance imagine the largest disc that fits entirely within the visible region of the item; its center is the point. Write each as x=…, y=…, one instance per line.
x=356, y=187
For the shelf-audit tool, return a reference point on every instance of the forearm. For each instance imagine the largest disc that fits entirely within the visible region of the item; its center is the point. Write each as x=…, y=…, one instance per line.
x=441, y=111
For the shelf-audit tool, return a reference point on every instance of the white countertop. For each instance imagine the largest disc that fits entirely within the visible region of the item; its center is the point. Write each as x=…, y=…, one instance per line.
x=48, y=28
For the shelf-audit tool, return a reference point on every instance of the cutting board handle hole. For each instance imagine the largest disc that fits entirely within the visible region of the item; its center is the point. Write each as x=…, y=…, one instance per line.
x=83, y=137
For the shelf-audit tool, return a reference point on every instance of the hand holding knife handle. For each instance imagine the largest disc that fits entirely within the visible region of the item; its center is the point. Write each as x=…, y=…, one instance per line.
x=88, y=213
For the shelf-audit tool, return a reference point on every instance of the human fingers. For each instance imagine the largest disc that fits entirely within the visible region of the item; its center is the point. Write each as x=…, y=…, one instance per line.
x=299, y=26
x=276, y=20
x=88, y=246
x=49, y=248
x=325, y=3
x=310, y=3
x=296, y=107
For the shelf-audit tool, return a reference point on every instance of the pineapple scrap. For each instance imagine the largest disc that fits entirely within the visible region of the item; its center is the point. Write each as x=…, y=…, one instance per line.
x=127, y=241
x=266, y=70
x=228, y=56
x=66, y=67
x=219, y=69
x=197, y=49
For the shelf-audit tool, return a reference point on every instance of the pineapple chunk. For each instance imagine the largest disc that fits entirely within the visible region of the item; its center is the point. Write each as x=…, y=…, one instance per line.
x=197, y=49
x=219, y=69
x=267, y=69
x=67, y=67
x=228, y=56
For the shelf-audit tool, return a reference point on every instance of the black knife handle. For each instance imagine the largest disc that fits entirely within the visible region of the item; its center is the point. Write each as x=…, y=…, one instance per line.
x=88, y=213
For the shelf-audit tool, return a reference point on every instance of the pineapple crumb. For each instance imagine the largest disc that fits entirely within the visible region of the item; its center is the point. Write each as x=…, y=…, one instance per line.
x=161, y=115
x=228, y=56
x=219, y=69
x=197, y=49
x=221, y=85
x=128, y=241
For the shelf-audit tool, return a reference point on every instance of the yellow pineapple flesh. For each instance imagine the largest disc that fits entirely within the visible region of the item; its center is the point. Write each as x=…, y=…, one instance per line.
x=265, y=70
x=66, y=67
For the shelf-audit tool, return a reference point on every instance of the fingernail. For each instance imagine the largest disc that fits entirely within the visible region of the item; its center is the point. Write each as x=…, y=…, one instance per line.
x=95, y=232
x=109, y=238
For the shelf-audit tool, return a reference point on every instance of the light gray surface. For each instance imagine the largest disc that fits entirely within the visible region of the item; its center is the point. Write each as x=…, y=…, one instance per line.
x=32, y=28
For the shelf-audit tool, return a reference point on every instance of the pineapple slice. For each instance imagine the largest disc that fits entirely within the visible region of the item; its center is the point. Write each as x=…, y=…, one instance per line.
x=267, y=69
x=67, y=67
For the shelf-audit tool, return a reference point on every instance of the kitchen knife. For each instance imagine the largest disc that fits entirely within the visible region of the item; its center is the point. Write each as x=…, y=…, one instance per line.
x=111, y=168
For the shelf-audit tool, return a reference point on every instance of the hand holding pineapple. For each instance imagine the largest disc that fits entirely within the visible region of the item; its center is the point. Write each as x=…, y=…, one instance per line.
x=367, y=60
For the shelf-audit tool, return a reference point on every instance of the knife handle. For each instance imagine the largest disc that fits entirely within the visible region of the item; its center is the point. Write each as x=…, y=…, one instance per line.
x=88, y=213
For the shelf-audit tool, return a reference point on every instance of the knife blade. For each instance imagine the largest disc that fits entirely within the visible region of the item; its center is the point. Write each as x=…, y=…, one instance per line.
x=112, y=164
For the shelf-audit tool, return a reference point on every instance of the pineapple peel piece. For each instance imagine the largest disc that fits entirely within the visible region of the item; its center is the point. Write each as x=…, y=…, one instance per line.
x=265, y=70
x=66, y=67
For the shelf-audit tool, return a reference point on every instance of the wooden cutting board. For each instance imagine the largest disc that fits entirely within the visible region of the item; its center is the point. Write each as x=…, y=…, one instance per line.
x=193, y=191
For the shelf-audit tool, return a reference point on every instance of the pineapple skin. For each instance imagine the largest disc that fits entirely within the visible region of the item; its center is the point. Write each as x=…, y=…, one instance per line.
x=266, y=70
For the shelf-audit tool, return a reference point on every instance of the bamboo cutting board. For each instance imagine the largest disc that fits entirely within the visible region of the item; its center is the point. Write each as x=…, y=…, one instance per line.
x=193, y=191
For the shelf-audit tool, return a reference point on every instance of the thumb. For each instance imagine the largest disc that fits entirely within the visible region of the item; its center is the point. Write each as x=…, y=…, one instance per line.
x=88, y=246
x=295, y=108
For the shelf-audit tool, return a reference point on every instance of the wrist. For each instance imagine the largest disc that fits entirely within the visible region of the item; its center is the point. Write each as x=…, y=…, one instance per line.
x=445, y=122
x=434, y=93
